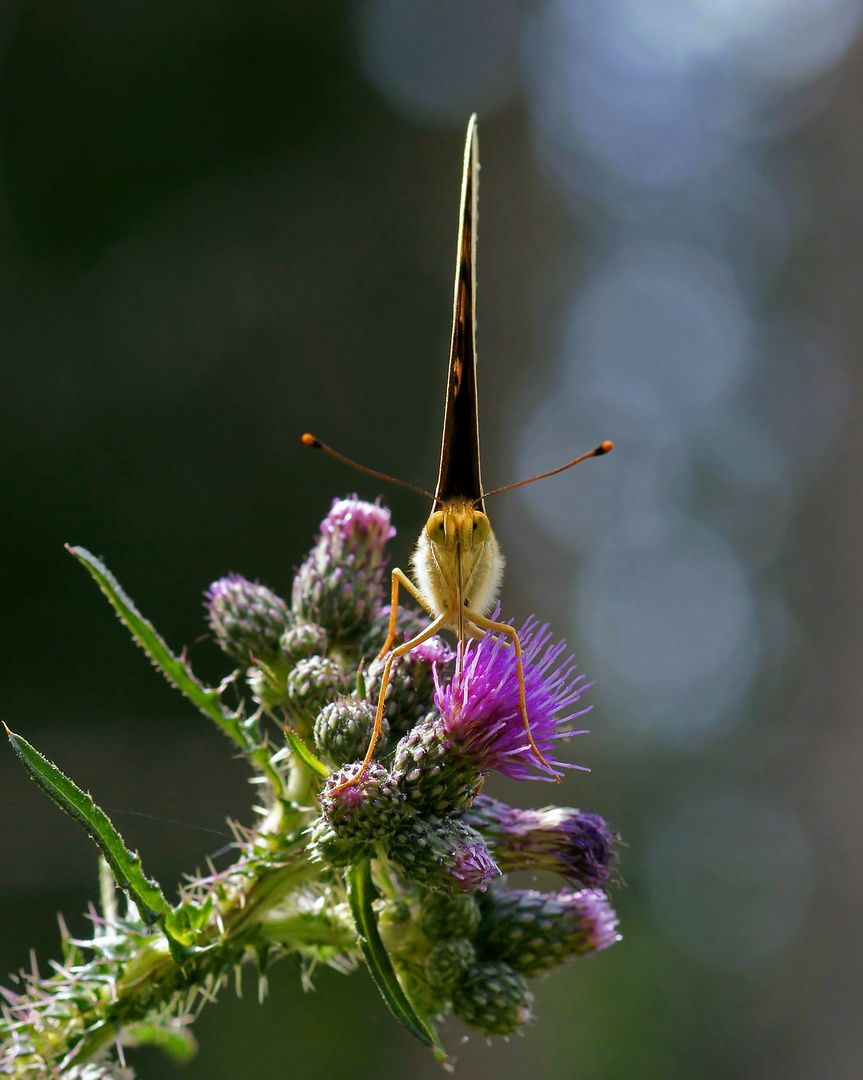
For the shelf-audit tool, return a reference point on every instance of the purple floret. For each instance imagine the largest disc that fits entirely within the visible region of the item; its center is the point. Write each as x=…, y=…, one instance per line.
x=480, y=707
x=474, y=868
x=356, y=520
x=598, y=915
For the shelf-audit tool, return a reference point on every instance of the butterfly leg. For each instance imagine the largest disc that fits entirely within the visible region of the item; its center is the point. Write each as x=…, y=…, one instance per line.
x=505, y=628
x=399, y=578
x=400, y=650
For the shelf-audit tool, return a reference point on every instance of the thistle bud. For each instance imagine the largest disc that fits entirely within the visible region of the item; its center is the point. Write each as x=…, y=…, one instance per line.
x=534, y=931
x=444, y=855
x=493, y=999
x=312, y=684
x=435, y=776
x=578, y=845
x=447, y=963
x=409, y=622
x=411, y=689
x=325, y=845
x=344, y=727
x=303, y=640
x=455, y=916
x=368, y=809
x=339, y=585
x=247, y=618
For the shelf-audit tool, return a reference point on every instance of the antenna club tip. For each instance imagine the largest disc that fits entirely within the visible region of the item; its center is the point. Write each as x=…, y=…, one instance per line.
x=604, y=448
x=310, y=440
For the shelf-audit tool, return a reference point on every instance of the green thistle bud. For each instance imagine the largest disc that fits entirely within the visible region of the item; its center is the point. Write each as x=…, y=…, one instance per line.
x=493, y=999
x=409, y=622
x=432, y=772
x=267, y=683
x=313, y=683
x=534, y=931
x=411, y=689
x=368, y=809
x=445, y=855
x=306, y=639
x=447, y=963
x=454, y=916
x=344, y=727
x=340, y=584
x=327, y=846
x=248, y=619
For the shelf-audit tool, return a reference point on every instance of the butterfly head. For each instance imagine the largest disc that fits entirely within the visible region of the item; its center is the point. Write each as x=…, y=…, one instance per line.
x=458, y=524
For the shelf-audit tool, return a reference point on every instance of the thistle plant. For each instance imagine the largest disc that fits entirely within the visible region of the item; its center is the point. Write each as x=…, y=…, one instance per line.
x=403, y=869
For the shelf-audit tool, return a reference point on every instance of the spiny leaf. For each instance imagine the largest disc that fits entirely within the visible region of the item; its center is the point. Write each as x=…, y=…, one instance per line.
x=125, y=864
x=304, y=754
x=175, y=669
x=361, y=893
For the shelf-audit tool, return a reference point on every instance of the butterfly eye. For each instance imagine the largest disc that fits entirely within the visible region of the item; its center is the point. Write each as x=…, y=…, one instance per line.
x=435, y=528
x=481, y=527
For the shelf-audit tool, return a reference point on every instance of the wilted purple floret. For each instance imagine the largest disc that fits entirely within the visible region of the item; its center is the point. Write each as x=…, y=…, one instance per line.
x=598, y=915
x=560, y=839
x=474, y=868
x=480, y=707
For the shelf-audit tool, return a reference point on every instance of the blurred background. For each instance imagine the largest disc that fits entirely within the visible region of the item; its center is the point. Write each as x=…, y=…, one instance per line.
x=223, y=223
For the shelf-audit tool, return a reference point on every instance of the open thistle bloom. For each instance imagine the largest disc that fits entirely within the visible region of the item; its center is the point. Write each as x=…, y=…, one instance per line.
x=480, y=707
x=577, y=844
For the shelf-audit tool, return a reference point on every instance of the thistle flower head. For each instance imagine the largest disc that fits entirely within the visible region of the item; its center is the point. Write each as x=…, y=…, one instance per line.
x=481, y=711
x=343, y=729
x=339, y=585
x=494, y=999
x=536, y=931
x=442, y=854
x=247, y=618
x=367, y=809
x=560, y=839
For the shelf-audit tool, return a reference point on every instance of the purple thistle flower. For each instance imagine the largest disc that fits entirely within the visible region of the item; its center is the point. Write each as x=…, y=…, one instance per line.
x=559, y=839
x=480, y=707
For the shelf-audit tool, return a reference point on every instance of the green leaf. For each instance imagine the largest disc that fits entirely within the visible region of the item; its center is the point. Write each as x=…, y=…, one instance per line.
x=178, y=1043
x=175, y=669
x=361, y=893
x=125, y=864
x=304, y=753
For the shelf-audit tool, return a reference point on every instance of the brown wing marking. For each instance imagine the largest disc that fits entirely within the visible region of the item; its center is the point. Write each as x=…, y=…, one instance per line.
x=459, y=472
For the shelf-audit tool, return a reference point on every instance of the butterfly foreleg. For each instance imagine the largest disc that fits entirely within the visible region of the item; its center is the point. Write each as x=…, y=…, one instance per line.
x=506, y=629
x=400, y=650
x=400, y=578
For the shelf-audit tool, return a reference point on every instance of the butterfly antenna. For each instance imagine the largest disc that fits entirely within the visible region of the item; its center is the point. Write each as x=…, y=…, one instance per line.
x=603, y=448
x=316, y=444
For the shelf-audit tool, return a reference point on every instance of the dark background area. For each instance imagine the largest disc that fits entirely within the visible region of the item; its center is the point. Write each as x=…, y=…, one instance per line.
x=223, y=224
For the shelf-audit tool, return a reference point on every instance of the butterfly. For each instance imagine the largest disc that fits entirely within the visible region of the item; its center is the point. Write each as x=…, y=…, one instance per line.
x=457, y=563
